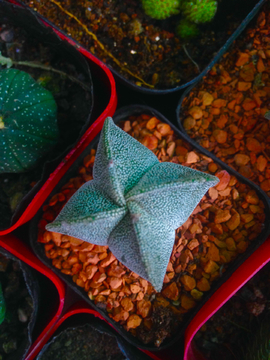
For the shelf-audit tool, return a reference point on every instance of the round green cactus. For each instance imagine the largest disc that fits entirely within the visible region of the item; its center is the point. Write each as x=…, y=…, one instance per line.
x=161, y=9
x=28, y=124
x=199, y=11
x=186, y=29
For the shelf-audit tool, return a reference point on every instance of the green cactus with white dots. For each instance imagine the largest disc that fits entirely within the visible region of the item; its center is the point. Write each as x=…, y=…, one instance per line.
x=133, y=204
x=28, y=124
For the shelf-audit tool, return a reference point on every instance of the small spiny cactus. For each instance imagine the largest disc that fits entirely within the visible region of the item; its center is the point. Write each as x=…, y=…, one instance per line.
x=161, y=9
x=186, y=29
x=28, y=125
x=133, y=204
x=193, y=12
x=199, y=11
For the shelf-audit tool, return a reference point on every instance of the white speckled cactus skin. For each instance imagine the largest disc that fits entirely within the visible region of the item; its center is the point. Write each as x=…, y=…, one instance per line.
x=28, y=124
x=133, y=204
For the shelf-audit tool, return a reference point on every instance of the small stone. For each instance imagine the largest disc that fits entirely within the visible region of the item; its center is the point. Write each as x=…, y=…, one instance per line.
x=7, y=35
x=10, y=346
x=22, y=316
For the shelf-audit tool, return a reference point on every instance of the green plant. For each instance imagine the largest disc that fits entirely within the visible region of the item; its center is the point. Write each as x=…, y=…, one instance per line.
x=2, y=306
x=193, y=12
x=133, y=204
x=161, y=9
x=28, y=124
x=199, y=11
x=186, y=29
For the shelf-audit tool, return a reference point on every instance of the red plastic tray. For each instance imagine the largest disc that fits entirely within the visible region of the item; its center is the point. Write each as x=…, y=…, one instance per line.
x=23, y=252
x=107, y=79
x=245, y=272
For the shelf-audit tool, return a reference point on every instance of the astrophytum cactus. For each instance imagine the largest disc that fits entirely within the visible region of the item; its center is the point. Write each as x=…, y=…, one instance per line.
x=28, y=124
x=133, y=204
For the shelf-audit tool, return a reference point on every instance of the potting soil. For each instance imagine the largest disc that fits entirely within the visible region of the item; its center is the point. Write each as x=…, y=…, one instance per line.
x=84, y=343
x=143, y=50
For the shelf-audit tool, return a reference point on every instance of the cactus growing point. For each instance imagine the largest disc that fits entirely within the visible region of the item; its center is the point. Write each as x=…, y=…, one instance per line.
x=28, y=125
x=133, y=204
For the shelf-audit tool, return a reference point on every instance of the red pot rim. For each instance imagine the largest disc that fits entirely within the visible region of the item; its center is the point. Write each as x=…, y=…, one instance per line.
x=23, y=252
x=91, y=132
x=241, y=275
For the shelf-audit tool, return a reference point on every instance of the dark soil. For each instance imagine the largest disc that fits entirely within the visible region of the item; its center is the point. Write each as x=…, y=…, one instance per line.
x=149, y=48
x=19, y=308
x=241, y=325
x=84, y=343
x=73, y=104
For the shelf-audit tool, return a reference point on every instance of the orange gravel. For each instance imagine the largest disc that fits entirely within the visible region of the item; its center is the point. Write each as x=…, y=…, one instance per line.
x=228, y=218
x=228, y=112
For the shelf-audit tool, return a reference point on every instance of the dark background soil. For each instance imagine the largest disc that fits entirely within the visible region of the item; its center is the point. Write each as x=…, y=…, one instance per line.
x=19, y=309
x=84, y=343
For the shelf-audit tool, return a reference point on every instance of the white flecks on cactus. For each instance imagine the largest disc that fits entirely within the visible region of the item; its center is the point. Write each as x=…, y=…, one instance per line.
x=133, y=204
x=28, y=124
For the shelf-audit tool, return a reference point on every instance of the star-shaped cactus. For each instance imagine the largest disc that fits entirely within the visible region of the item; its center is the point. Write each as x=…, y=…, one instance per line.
x=133, y=204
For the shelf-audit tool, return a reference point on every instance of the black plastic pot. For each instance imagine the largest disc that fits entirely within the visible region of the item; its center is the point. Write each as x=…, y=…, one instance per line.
x=62, y=53
x=123, y=114
x=248, y=9
x=80, y=320
x=33, y=290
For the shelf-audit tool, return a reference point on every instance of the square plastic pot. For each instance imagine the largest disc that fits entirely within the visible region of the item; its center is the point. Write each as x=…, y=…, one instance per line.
x=176, y=339
x=104, y=100
x=81, y=314
x=55, y=287
x=250, y=10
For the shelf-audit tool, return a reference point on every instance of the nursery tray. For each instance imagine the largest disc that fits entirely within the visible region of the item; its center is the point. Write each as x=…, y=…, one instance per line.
x=80, y=314
x=38, y=248
x=54, y=305
x=33, y=290
x=250, y=8
x=105, y=102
